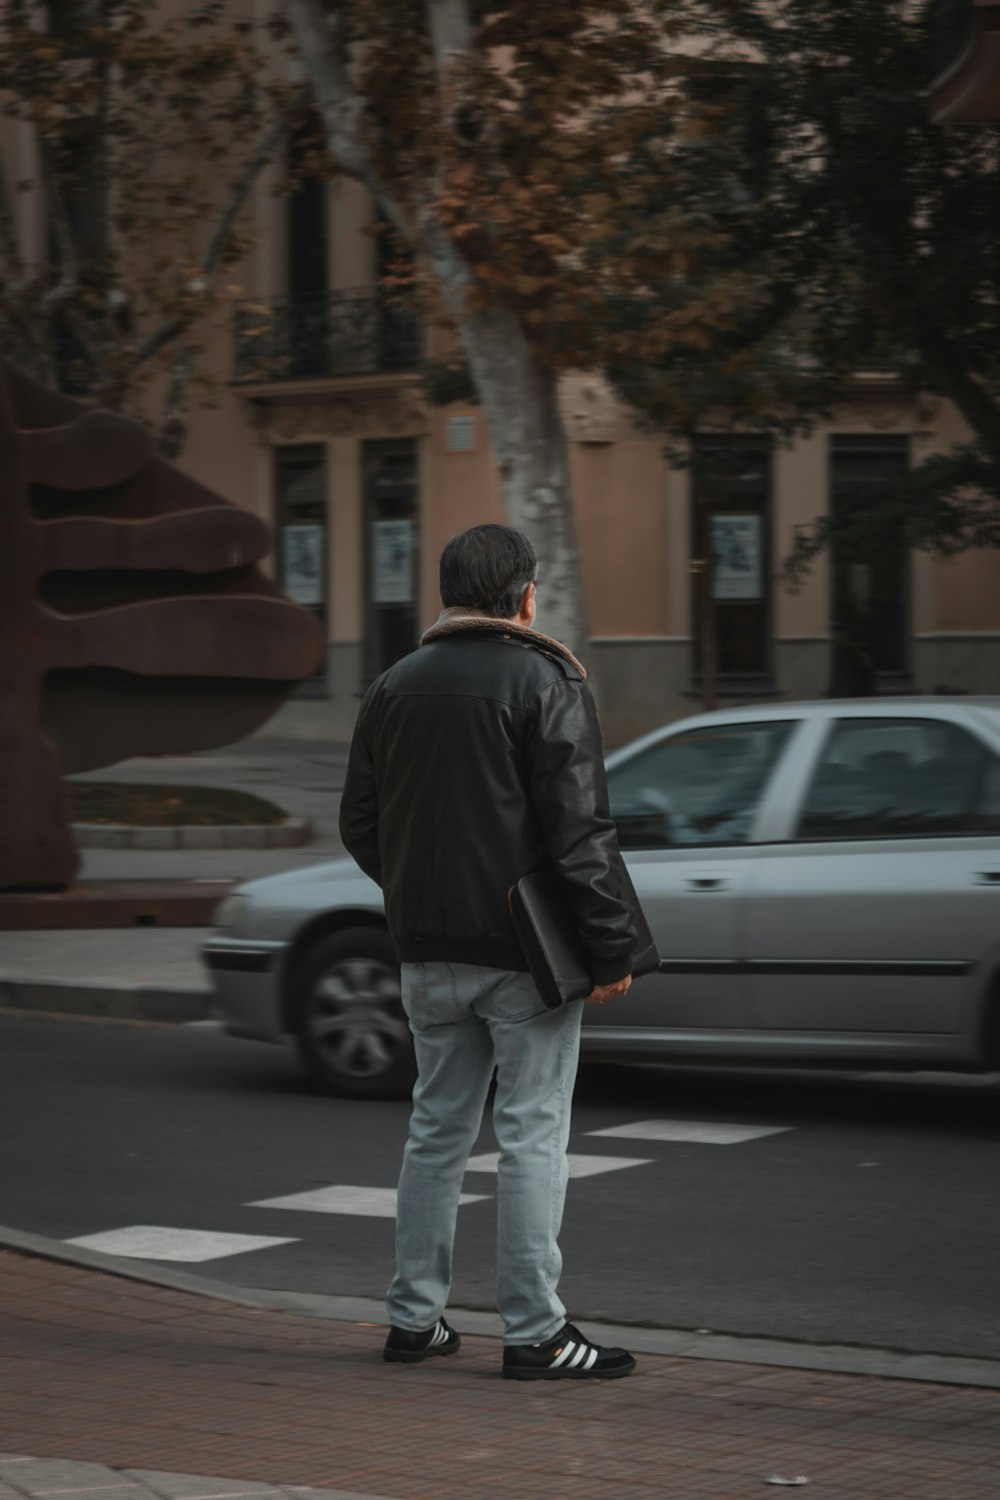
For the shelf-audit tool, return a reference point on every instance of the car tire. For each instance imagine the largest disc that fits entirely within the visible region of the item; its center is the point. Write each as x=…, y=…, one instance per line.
x=350, y=1027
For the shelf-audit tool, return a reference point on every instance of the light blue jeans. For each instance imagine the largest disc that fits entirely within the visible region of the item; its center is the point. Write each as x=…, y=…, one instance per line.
x=466, y=1021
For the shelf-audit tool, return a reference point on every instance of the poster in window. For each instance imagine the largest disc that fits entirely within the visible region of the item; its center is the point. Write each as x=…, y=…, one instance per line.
x=737, y=557
x=392, y=562
x=302, y=553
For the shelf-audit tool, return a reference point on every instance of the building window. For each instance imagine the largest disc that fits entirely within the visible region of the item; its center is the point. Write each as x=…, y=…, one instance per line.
x=300, y=532
x=398, y=332
x=870, y=604
x=730, y=531
x=391, y=492
x=308, y=250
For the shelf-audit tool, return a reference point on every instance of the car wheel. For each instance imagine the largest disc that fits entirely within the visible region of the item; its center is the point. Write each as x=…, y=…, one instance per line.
x=350, y=1026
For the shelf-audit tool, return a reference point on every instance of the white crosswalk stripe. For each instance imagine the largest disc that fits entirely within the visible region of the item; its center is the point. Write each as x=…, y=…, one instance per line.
x=694, y=1132
x=579, y=1165
x=160, y=1242
x=169, y=1243
x=369, y=1202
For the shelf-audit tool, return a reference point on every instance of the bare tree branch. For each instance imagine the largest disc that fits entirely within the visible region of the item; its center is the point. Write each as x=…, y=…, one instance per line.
x=173, y=428
x=10, y=239
x=29, y=349
x=238, y=197
x=454, y=62
x=69, y=276
x=60, y=298
x=171, y=330
x=319, y=36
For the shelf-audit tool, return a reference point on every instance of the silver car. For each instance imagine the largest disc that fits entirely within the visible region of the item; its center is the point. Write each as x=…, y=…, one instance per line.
x=822, y=879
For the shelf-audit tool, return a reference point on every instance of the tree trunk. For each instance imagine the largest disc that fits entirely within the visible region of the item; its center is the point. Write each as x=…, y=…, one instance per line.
x=521, y=404
x=519, y=397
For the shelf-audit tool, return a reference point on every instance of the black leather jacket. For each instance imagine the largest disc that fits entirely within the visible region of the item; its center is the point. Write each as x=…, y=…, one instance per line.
x=476, y=760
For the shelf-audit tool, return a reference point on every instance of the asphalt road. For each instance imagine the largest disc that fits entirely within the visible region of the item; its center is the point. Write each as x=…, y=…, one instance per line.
x=870, y=1215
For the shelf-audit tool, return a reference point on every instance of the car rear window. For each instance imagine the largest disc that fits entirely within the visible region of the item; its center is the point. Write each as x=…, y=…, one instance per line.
x=897, y=778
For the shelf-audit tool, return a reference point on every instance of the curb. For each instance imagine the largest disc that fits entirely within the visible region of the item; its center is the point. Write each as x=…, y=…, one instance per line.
x=288, y=835
x=110, y=1000
x=115, y=904
x=838, y=1359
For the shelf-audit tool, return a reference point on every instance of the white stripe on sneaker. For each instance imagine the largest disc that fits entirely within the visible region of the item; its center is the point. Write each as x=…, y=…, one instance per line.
x=440, y=1335
x=574, y=1356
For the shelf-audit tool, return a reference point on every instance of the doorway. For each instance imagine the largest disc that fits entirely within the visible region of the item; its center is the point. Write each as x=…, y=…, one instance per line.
x=300, y=529
x=870, y=603
x=391, y=511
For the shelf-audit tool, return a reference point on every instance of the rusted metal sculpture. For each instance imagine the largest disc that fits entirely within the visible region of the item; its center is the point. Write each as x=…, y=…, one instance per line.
x=133, y=619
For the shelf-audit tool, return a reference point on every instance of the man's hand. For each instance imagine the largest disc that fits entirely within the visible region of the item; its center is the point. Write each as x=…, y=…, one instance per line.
x=602, y=993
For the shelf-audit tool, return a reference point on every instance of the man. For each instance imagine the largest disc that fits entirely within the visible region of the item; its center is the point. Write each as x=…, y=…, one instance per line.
x=476, y=760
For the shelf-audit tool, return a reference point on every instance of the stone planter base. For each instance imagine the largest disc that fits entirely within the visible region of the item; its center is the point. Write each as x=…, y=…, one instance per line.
x=287, y=835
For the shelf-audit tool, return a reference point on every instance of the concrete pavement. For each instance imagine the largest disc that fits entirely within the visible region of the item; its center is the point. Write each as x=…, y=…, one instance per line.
x=41, y=1478
x=156, y=973
x=303, y=777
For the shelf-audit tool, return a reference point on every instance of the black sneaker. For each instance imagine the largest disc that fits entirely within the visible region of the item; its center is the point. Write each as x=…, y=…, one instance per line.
x=405, y=1348
x=569, y=1356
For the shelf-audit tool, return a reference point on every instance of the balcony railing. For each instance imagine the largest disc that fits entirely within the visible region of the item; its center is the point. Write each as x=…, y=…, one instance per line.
x=325, y=337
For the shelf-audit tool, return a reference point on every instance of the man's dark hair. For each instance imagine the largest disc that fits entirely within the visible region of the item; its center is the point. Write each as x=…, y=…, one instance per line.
x=487, y=568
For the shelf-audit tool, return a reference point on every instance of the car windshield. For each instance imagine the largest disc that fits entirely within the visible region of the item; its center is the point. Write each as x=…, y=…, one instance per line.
x=701, y=787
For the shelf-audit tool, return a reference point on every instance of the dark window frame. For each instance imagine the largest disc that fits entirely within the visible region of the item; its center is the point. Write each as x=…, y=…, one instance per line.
x=761, y=681
x=885, y=679
x=307, y=219
x=308, y=233
x=285, y=456
x=379, y=628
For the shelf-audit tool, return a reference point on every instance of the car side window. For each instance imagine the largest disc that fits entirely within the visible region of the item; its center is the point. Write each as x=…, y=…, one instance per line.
x=701, y=787
x=894, y=778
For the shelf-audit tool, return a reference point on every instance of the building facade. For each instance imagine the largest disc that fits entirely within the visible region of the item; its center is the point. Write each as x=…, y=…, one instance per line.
x=324, y=430
x=320, y=427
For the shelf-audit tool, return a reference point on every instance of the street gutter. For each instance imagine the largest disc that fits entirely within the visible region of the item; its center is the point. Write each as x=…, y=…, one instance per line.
x=110, y=1000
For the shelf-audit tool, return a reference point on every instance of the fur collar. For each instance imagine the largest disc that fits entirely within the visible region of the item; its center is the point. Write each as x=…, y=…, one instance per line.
x=451, y=621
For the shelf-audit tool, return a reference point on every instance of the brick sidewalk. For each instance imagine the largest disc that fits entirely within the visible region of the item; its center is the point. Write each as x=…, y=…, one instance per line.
x=100, y=1369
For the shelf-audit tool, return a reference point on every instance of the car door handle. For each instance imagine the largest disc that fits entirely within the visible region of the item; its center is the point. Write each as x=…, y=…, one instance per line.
x=988, y=877
x=709, y=881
